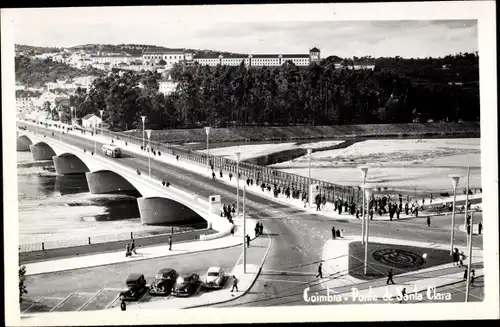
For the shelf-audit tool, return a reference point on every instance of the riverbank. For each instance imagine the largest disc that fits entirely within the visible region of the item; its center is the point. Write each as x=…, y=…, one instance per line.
x=269, y=133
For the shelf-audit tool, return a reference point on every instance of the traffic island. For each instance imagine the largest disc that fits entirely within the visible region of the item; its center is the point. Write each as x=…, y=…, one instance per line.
x=398, y=257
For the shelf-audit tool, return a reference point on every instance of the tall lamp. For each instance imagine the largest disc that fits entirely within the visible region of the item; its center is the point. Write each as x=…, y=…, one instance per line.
x=454, y=179
x=207, y=130
x=148, y=132
x=364, y=172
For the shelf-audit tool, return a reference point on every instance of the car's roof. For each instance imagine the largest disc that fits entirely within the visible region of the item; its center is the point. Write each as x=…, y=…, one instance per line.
x=134, y=277
x=165, y=271
x=214, y=269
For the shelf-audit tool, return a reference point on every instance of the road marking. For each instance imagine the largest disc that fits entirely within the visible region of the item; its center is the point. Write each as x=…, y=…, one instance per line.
x=111, y=289
x=86, y=303
x=33, y=304
x=285, y=272
x=283, y=281
x=59, y=304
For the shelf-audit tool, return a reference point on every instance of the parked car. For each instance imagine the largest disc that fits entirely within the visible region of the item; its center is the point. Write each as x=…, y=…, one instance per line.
x=136, y=285
x=164, y=281
x=215, y=278
x=187, y=285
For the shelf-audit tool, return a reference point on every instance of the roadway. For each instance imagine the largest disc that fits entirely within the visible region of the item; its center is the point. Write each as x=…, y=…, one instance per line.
x=297, y=237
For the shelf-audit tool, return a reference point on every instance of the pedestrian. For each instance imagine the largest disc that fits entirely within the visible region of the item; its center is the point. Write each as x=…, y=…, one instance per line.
x=428, y=221
x=220, y=174
x=472, y=276
x=338, y=233
x=480, y=227
x=305, y=201
x=213, y=175
x=465, y=274
x=455, y=256
x=333, y=233
x=170, y=243
x=256, y=229
x=398, y=212
x=357, y=213
x=261, y=228
x=403, y=296
x=468, y=229
x=248, y=241
x=235, y=284
x=341, y=233
x=127, y=251
x=461, y=259
x=232, y=231
x=320, y=271
x=389, y=277
x=230, y=176
x=123, y=305
x=132, y=247
x=177, y=157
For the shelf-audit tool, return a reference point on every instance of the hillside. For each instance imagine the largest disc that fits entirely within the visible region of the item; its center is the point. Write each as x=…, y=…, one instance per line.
x=33, y=50
x=36, y=72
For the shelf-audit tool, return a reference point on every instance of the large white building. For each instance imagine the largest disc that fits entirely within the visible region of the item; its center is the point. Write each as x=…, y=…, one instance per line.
x=258, y=60
x=26, y=103
x=167, y=87
x=152, y=57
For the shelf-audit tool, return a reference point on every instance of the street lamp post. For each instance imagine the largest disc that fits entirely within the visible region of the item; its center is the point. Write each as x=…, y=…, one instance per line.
x=244, y=232
x=368, y=194
x=101, y=111
x=238, y=154
x=143, y=121
x=207, y=130
x=149, y=152
x=309, y=152
x=467, y=198
x=455, y=179
x=469, y=265
x=60, y=126
x=364, y=171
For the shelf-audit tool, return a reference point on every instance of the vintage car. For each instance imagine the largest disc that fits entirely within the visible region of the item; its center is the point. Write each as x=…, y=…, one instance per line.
x=215, y=278
x=164, y=281
x=136, y=285
x=187, y=285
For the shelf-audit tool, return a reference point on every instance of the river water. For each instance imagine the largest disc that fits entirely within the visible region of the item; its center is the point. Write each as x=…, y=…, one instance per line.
x=55, y=208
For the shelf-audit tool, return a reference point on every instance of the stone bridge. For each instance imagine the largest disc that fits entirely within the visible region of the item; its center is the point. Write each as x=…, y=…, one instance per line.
x=157, y=204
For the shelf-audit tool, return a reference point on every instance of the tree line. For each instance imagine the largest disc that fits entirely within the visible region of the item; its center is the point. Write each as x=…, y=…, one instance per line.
x=397, y=91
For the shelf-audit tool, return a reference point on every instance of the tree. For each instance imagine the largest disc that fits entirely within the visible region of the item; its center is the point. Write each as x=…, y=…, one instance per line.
x=162, y=62
x=22, y=287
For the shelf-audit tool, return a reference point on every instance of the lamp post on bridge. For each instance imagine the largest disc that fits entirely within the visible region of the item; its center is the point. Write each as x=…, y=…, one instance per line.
x=454, y=179
x=238, y=155
x=60, y=126
x=364, y=172
x=207, y=130
x=244, y=232
x=72, y=114
x=101, y=111
x=309, y=152
x=149, y=151
x=143, y=121
x=368, y=194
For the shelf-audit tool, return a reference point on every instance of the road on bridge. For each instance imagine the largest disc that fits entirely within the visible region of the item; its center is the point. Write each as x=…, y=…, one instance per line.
x=297, y=237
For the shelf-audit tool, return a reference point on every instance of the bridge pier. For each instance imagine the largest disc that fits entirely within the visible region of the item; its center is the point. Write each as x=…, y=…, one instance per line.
x=41, y=151
x=66, y=165
x=158, y=210
x=103, y=182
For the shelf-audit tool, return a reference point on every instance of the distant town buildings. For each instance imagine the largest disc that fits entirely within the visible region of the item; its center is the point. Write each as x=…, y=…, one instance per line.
x=170, y=57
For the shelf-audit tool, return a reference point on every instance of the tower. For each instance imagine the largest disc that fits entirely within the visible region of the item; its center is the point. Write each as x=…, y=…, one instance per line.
x=314, y=55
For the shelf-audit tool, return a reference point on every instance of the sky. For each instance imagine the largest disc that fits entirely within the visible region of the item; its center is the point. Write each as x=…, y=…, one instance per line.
x=210, y=28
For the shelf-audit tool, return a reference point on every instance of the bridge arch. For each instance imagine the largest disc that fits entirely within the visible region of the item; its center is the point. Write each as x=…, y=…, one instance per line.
x=154, y=209
x=69, y=163
x=42, y=151
x=23, y=143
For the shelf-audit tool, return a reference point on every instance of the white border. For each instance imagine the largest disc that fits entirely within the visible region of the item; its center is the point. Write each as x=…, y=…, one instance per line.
x=484, y=11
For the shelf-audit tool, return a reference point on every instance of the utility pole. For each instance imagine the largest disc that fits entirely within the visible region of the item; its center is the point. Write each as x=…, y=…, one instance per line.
x=244, y=232
x=469, y=265
x=467, y=198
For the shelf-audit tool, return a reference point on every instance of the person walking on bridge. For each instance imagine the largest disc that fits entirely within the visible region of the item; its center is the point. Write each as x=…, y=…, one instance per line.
x=235, y=284
x=170, y=243
x=428, y=221
x=320, y=271
x=389, y=277
x=333, y=232
x=132, y=247
x=213, y=175
x=248, y=241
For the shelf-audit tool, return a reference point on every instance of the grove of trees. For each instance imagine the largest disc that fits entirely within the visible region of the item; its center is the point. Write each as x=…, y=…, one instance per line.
x=398, y=91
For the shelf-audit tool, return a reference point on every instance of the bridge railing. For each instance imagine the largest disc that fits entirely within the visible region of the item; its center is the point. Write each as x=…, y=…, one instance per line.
x=259, y=174
x=98, y=239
